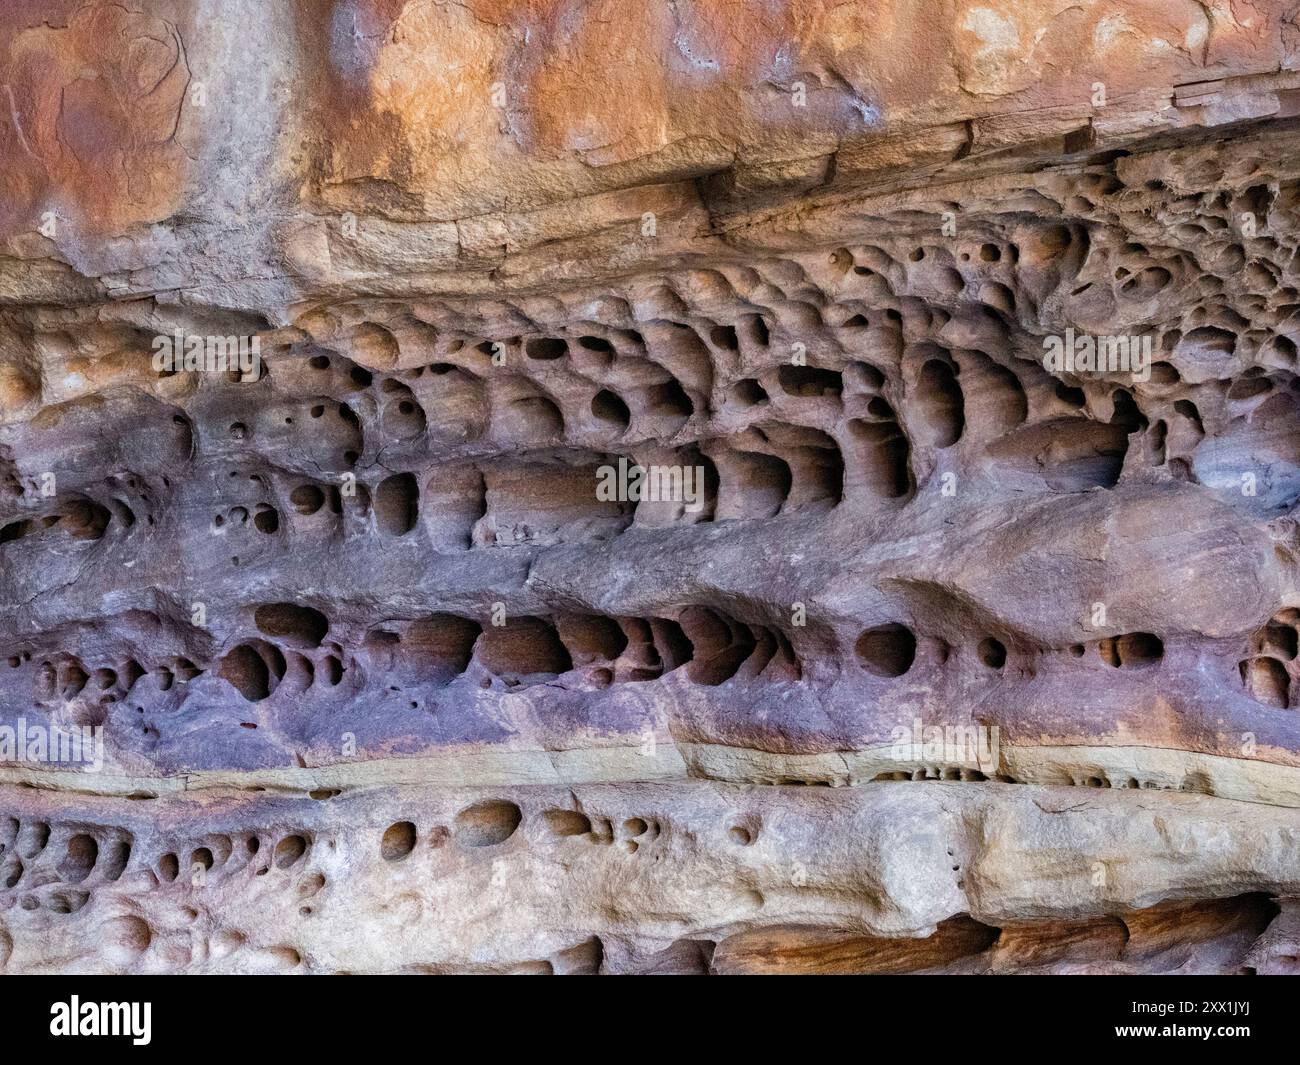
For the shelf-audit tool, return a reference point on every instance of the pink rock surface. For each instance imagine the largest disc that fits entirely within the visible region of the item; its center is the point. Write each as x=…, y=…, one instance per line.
x=811, y=259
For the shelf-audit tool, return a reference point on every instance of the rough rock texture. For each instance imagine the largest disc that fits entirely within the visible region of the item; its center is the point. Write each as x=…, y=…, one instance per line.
x=386, y=685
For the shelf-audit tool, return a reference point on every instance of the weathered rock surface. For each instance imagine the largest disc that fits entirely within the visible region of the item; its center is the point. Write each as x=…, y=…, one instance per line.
x=645, y=878
x=386, y=684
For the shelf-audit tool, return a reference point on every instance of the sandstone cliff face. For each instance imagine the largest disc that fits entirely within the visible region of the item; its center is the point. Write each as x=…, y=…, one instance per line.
x=383, y=667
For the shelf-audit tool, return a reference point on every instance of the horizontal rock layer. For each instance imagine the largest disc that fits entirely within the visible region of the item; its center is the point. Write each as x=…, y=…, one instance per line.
x=648, y=878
